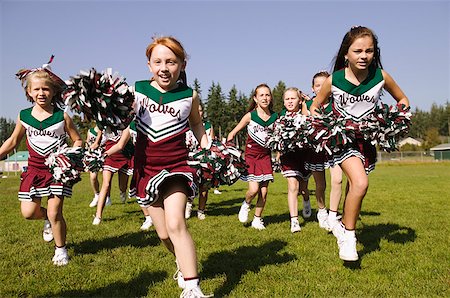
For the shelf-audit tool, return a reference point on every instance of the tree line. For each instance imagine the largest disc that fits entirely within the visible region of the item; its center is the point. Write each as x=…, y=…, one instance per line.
x=225, y=110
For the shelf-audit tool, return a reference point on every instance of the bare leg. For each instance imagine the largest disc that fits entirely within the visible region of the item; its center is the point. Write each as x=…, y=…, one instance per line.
x=293, y=190
x=262, y=197
x=106, y=185
x=56, y=218
x=319, y=178
x=336, y=187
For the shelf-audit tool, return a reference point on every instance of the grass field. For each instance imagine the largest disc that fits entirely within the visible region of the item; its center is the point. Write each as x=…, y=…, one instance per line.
x=403, y=243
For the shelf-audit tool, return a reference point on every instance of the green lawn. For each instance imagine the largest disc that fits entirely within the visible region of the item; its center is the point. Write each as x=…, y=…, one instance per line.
x=403, y=243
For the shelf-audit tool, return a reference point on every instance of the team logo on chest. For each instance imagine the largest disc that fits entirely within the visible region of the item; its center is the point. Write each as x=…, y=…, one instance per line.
x=154, y=107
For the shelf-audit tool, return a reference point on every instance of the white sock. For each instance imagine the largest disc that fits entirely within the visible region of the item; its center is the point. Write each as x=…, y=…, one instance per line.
x=294, y=219
x=60, y=249
x=192, y=283
x=148, y=218
x=96, y=195
x=332, y=214
x=322, y=210
x=350, y=233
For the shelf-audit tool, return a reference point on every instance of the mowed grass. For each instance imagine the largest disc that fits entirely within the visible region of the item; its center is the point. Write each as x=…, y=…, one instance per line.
x=403, y=243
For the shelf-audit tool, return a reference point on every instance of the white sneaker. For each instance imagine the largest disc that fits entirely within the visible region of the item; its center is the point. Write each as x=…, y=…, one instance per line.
x=178, y=276
x=188, y=210
x=306, y=209
x=94, y=202
x=295, y=226
x=338, y=232
x=96, y=221
x=322, y=217
x=123, y=197
x=257, y=223
x=61, y=258
x=47, y=233
x=243, y=212
x=332, y=221
x=201, y=215
x=347, y=249
x=217, y=192
x=194, y=293
x=147, y=224
x=108, y=201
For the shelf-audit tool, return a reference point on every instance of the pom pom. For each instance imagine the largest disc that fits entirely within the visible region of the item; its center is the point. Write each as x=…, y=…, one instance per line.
x=103, y=97
x=386, y=126
x=289, y=133
x=330, y=133
x=219, y=164
x=65, y=164
x=93, y=159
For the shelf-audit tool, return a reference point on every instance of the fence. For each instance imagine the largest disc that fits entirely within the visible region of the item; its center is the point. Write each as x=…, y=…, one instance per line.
x=401, y=156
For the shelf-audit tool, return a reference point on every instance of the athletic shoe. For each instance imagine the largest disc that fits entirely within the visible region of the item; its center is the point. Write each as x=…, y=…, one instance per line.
x=322, y=217
x=47, y=233
x=123, y=197
x=61, y=258
x=201, y=215
x=243, y=212
x=108, y=201
x=96, y=221
x=194, y=293
x=257, y=223
x=94, y=202
x=295, y=226
x=178, y=276
x=332, y=222
x=188, y=210
x=338, y=232
x=347, y=250
x=306, y=209
x=217, y=192
x=147, y=224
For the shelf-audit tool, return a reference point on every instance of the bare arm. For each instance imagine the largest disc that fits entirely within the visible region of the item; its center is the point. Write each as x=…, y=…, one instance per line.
x=243, y=123
x=124, y=138
x=304, y=110
x=72, y=131
x=323, y=95
x=13, y=140
x=391, y=86
x=196, y=124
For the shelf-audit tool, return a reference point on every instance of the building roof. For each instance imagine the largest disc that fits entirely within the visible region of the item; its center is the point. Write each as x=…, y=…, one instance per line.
x=441, y=147
x=18, y=156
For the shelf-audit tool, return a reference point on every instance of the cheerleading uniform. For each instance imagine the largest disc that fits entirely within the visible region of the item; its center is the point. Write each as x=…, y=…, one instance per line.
x=91, y=136
x=133, y=135
x=357, y=102
x=120, y=161
x=43, y=137
x=161, y=123
x=318, y=161
x=257, y=156
x=293, y=162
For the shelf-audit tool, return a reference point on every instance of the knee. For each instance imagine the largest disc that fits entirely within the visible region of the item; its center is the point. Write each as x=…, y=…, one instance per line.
x=360, y=185
x=53, y=215
x=175, y=226
x=28, y=214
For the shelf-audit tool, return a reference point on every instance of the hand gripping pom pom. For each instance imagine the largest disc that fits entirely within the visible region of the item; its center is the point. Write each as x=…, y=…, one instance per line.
x=386, y=126
x=220, y=164
x=65, y=164
x=330, y=133
x=103, y=97
x=289, y=133
x=93, y=159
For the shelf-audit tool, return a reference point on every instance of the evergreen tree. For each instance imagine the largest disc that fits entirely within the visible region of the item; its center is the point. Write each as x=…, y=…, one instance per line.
x=215, y=109
x=197, y=88
x=277, y=95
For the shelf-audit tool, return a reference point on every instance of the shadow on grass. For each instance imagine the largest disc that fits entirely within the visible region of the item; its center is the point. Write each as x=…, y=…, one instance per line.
x=371, y=236
x=138, y=240
x=224, y=208
x=136, y=287
x=236, y=263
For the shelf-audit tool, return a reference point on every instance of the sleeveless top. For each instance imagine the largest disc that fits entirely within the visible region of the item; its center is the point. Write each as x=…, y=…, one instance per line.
x=257, y=132
x=43, y=136
x=162, y=119
x=328, y=107
x=356, y=101
x=91, y=136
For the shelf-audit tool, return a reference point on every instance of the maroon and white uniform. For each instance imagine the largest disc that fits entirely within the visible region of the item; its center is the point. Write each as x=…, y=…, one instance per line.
x=161, y=123
x=117, y=162
x=42, y=138
x=257, y=156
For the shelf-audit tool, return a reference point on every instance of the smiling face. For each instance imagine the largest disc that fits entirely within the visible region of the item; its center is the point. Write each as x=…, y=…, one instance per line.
x=317, y=84
x=165, y=66
x=40, y=91
x=291, y=101
x=361, y=53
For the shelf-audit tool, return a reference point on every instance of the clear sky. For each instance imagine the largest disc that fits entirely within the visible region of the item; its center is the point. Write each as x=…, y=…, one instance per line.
x=241, y=43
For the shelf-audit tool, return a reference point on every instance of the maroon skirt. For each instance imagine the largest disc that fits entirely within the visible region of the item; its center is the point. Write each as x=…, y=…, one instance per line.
x=259, y=166
x=293, y=164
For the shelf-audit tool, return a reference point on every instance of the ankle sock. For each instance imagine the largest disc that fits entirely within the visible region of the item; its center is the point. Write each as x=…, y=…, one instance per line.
x=192, y=282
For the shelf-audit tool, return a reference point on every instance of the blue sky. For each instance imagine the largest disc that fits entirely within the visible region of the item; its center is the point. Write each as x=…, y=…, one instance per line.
x=241, y=43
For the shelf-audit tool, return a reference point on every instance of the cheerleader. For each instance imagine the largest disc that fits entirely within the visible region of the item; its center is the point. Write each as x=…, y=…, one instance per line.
x=355, y=86
x=259, y=119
